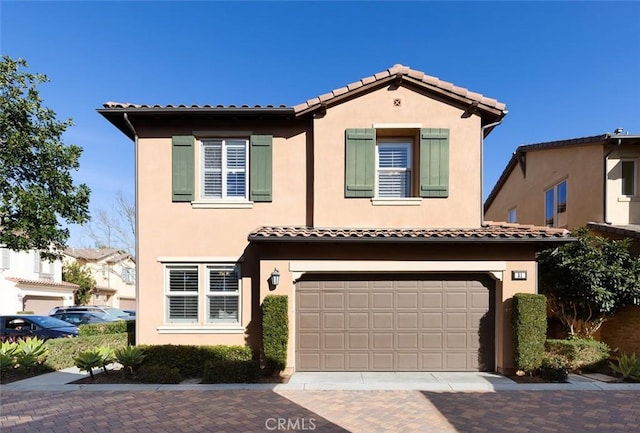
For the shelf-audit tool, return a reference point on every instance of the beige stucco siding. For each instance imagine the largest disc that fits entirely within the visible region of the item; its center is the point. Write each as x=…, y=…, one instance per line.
x=332, y=209
x=622, y=209
x=580, y=166
x=176, y=232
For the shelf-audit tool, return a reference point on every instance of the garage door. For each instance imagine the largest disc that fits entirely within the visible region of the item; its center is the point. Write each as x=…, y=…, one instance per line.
x=392, y=323
x=127, y=304
x=40, y=304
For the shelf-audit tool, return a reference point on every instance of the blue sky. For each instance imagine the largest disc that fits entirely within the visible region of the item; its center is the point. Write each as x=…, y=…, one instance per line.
x=564, y=69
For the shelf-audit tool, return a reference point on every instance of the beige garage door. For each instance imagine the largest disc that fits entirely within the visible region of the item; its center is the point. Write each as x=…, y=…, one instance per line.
x=40, y=304
x=384, y=323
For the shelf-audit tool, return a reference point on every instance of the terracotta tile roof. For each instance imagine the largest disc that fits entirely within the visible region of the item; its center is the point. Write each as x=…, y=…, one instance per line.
x=112, y=254
x=401, y=72
x=129, y=105
x=490, y=232
x=396, y=72
x=628, y=230
x=42, y=282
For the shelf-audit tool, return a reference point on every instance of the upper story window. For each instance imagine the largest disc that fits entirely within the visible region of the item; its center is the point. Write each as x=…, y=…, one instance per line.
x=224, y=169
x=629, y=178
x=393, y=165
x=232, y=172
x=555, y=206
x=128, y=275
x=512, y=216
x=408, y=168
x=5, y=258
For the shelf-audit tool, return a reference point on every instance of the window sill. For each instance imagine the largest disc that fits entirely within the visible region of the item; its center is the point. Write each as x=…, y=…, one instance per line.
x=409, y=201
x=193, y=328
x=628, y=198
x=222, y=204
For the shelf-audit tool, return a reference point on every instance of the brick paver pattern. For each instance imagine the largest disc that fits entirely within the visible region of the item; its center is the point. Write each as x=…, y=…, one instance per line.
x=246, y=411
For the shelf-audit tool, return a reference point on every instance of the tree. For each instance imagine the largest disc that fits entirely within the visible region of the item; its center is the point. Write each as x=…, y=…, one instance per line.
x=115, y=228
x=37, y=192
x=588, y=280
x=76, y=273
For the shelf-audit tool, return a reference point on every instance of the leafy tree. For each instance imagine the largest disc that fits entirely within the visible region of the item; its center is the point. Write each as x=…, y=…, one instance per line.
x=75, y=273
x=588, y=280
x=37, y=193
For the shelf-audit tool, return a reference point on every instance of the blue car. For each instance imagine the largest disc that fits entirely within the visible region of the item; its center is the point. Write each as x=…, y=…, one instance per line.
x=28, y=325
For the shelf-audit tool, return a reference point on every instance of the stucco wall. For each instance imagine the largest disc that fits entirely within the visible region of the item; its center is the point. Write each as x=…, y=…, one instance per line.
x=460, y=209
x=622, y=209
x=581, y=166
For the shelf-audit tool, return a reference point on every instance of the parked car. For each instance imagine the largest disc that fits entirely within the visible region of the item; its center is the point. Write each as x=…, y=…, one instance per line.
x=29, y=325
x=78, y=318
x=131, y=313
x=112, y=311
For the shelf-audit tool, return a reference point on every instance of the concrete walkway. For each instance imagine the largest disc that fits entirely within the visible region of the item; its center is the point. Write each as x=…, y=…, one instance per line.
x=365, y=381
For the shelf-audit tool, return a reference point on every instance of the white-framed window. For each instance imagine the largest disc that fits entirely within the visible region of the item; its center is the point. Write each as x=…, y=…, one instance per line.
x=393, y=168
x=555, y=205
x=629, y=177
x=512, y=215
x=224, y=168
x=223, y=293
x=128, y=275
x=182, y=289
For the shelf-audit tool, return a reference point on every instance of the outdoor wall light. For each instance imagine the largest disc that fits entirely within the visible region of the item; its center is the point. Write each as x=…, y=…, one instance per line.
x=274, y=279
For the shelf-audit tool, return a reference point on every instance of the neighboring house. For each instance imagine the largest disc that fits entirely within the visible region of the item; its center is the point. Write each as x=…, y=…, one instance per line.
x=114, y=272
x=366, y=200
x=30, y=284
x=589, y=181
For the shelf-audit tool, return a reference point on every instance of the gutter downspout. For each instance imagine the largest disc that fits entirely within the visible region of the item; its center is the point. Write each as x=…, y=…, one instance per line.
x=485, y=127
x=135, y=192
x=605, y=215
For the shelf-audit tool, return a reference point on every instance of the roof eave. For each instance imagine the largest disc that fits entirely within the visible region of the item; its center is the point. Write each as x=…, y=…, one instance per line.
x=256, y=239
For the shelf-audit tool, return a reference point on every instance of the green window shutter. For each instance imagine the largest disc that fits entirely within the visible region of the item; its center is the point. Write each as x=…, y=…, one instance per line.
x=360, y=162
x=434, y=162
x=260, y=166
x=183, y=168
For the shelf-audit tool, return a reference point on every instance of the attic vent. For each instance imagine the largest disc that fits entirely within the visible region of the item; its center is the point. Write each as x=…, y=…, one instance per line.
x=397, y=102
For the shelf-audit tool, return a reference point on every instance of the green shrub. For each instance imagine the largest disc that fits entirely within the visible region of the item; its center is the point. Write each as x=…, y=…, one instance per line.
x=190, y=360
x=103, y=328
x=8, y=359
x=230, y=371
x=554, y=368
x=628, y=366
x=159, y=374
x=580, y=353
x=275, y=331
x=107, y=356
x=31, y=352
x=63, y=350
x=87, y=361
x=529, y=323
x=130, y=357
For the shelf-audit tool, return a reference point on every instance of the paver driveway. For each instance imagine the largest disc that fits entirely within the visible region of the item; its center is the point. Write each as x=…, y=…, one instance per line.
x=246, y=411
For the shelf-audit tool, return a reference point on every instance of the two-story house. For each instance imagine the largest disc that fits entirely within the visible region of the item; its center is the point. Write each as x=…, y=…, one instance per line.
x=590, y=181
x=114, y=272
x=363, y=205
x=30, y=284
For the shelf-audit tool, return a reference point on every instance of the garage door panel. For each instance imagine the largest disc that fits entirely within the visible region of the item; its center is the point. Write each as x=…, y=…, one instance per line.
x=358, y=341
x=358, y=301
x=382, y=340
x=383, y=300
x=407, y=320
x=408, y=300
x=432, y=300
x=432, y=340
x=425, y=324
x=334, y=301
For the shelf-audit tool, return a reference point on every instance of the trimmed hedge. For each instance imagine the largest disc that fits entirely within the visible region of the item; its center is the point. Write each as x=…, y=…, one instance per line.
x=104, y=328
x=191, y=360
x=227, y=371
x=579, y=353
x=275, y=331
x=529, y=323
